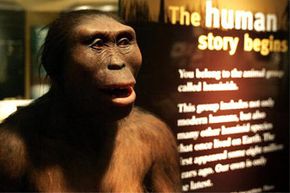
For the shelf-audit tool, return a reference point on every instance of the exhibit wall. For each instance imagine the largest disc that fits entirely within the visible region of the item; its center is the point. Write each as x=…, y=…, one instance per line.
x=217, y=72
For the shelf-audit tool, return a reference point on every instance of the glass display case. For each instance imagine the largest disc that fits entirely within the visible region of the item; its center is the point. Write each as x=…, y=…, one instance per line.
x=22, y=33
x=12, y=18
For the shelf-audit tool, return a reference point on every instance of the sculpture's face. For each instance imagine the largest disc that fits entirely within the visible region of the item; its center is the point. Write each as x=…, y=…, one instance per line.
x=103, y=62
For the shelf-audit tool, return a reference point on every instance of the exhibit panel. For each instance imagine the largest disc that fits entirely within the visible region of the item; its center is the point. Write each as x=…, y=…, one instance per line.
x=217, y=71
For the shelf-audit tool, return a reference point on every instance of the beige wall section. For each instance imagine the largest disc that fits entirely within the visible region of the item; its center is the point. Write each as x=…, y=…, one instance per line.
x=42, y=12
x=58, y=5
x=266, y=6
x=274, y=6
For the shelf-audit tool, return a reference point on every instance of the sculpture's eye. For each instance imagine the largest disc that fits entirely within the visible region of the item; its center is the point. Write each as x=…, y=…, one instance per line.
x=123, y=42
x=97, y=43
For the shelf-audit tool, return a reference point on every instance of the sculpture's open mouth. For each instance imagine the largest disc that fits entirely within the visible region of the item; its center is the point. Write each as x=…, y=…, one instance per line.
x=121, y=95
x=118, y=92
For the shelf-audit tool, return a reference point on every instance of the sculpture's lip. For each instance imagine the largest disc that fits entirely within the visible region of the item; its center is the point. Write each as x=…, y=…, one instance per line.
x=120, y=94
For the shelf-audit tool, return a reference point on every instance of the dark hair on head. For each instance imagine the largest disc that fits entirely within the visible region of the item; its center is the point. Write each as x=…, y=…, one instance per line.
x=55, y=48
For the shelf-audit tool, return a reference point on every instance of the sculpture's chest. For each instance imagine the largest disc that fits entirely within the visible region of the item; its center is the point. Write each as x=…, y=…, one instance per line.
x=120, y=168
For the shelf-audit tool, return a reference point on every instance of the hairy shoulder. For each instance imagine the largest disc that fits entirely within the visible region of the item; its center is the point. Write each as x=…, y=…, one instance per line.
x=164, y=151
x=33, y=113
x=15, y=134
x=13, y=152
x=152, y=129
x=148, y=122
